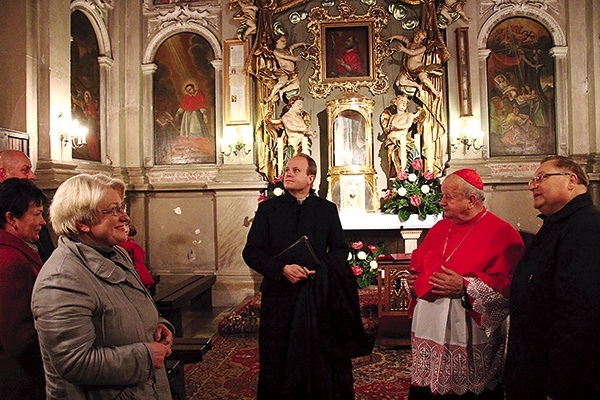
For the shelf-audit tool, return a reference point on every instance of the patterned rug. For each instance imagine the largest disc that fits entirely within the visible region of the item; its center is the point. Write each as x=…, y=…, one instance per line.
x=230, y=371
x=246, y=317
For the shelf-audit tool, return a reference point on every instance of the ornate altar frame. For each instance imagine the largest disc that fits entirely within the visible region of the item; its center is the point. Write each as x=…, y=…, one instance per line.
x=320, y=22
x=352, y=184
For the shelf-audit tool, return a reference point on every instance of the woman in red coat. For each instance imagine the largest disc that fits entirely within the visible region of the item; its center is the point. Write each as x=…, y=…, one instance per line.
x=137, y=255
x=21, y=219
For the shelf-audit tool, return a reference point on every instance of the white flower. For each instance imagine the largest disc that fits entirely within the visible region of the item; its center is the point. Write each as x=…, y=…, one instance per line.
x=349, y=256
x=373, y=265
x=361, y=255
x=425, y=189
x=278, y=191
x=402, y=192
x=412, y=177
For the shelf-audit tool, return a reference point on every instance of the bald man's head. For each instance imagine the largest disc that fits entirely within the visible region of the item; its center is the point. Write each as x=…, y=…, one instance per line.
x=15, y=164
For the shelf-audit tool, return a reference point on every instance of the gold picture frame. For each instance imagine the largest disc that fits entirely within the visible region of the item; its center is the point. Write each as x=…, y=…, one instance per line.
x=464, y=73
x=334, y=67
x=237, y=83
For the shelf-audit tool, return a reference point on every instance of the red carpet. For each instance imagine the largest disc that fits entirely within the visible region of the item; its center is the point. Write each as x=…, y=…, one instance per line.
x=230, y=371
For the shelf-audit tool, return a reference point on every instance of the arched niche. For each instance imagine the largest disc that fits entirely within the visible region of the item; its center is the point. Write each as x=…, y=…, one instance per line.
x=97, y=19
x=558, y=52
x=149, y=68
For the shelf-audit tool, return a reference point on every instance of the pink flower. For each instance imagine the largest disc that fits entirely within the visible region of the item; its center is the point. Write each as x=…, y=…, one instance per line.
x=373, y=248
x=277, y=179
x=403, y=175
x=415, y=200
x=357, y=245
x=357, y=270
x=387, y=194
x=428, y=175
x=417, y=164
x=262, y=197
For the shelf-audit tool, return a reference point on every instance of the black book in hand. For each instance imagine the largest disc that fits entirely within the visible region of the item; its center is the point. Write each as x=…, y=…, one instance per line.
x=299, y=249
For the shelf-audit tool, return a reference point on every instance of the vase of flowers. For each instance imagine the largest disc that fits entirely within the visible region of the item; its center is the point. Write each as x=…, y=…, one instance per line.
x=273, y=189
x=363, y=261
x=413, y=191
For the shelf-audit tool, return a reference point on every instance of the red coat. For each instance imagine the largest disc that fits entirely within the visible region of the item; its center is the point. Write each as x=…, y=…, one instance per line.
x=22, y=369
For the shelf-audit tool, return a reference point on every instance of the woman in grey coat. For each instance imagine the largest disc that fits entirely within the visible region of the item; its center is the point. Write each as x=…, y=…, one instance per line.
x=99, y=330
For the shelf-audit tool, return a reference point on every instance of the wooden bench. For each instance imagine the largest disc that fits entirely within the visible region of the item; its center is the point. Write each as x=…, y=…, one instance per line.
x=194, y=293
x=184, y=351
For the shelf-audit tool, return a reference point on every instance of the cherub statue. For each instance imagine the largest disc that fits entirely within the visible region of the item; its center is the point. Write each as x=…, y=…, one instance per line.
x=286, y=74
x=296, y=123
x=247, y=16
x=396, y=127
x=414, y=72
x=449, y=7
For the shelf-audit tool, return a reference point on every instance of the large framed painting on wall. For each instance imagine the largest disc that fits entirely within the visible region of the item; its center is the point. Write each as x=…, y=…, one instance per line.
x=85, y=85
x=184, y=101
x=521, y=89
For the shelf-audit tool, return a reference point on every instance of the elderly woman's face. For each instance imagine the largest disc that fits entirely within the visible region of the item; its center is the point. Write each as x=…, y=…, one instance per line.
x=28, y=227
x=110, y=228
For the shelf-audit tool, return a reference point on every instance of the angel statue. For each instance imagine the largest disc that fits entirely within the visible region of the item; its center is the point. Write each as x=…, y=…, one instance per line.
x=296, y=123
x=396, y=126
x=414, y=72
x=247, y=16
x=286, y=73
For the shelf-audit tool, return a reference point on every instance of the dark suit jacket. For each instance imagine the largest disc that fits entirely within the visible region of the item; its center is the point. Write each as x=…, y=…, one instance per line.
x=554, y=339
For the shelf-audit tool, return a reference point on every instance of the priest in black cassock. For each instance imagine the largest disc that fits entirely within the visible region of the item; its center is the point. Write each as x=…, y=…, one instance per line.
x=310, y=324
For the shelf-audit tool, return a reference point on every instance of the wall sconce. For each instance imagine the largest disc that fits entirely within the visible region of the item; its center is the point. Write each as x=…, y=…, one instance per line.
x=469, y=137
x=72, y=133
x=236, y=140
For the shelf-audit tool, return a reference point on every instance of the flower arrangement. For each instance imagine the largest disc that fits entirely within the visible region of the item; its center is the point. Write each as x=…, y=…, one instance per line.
x=413, y=191
x=364, y=262
x=273, y=189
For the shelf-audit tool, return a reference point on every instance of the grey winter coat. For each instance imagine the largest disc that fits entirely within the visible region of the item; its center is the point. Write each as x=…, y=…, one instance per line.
x=95, y=321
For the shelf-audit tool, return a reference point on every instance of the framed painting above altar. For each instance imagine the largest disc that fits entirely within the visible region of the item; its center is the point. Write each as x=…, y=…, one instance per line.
x=184, y=101
x=520, y=83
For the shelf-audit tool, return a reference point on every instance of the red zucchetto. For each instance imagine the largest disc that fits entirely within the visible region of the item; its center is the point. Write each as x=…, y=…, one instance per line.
x=471, y=176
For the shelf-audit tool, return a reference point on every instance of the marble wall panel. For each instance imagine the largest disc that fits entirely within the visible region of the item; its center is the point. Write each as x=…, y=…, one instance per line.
x=181, y=232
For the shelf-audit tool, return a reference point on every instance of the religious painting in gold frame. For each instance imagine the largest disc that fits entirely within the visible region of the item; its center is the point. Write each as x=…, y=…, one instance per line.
x=331, y=36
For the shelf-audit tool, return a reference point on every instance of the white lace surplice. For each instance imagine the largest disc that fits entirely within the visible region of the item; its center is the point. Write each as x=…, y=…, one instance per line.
x=468, y=357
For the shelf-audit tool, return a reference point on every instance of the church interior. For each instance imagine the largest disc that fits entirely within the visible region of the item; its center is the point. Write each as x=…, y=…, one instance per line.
x=196, y=106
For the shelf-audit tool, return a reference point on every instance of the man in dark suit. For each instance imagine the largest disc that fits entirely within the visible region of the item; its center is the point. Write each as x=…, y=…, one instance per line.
x=16, y=164
x=554, y=338
x=310, y=325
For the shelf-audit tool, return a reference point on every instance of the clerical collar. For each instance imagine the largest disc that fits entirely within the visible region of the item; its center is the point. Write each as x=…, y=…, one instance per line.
x=300, y=201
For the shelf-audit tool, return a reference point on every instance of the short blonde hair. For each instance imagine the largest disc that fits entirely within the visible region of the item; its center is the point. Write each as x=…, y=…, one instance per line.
x=78, y=199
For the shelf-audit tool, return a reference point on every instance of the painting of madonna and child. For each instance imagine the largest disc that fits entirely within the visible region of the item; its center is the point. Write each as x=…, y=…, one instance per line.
x=184, y=103
x=521, y=89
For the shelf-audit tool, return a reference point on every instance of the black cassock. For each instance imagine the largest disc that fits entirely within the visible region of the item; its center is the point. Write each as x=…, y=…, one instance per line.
x=309, y=331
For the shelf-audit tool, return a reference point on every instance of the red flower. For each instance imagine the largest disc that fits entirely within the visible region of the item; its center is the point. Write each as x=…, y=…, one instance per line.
x=373, y=248
x=357, y=270
x=403, y=175
x=415, y=200
x=357, y=245
x=387, y=194
x=277, y=179
x=417, y=164
x=262, y=197
x=428, y=175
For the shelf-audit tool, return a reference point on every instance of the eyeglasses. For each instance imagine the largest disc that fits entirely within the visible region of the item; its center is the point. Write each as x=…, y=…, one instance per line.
x=115, y=210
x=536, y=180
